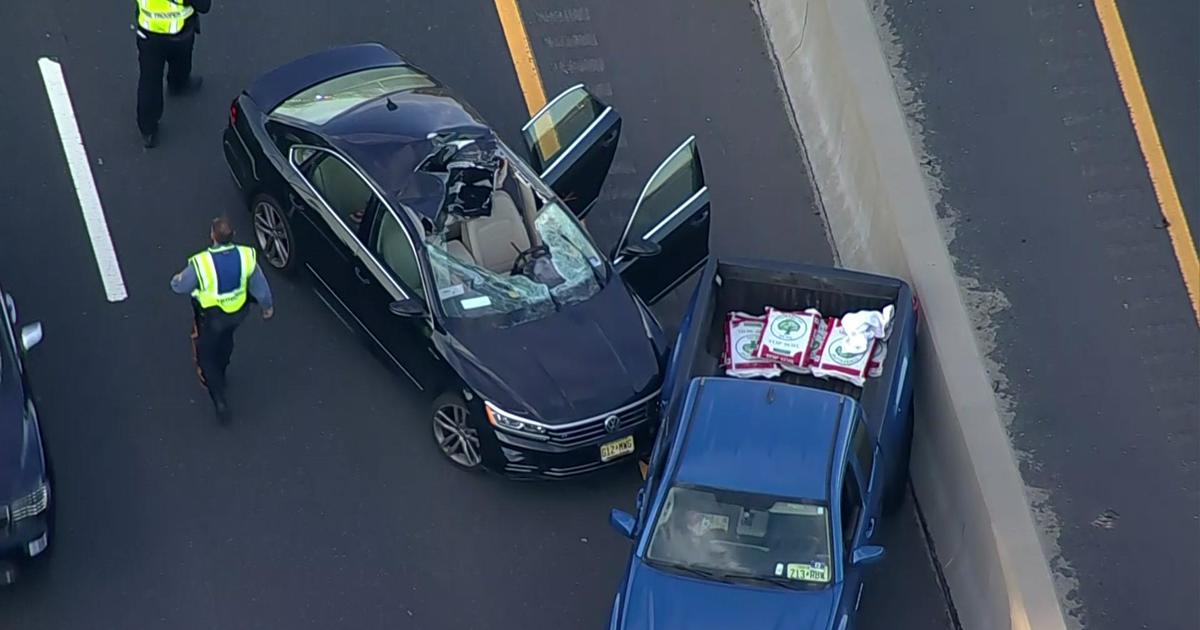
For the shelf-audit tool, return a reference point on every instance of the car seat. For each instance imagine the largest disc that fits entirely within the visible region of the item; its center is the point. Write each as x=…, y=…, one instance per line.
x=494, y=241
x=460, y=252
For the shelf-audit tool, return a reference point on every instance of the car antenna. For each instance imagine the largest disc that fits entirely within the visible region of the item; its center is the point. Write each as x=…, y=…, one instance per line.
x=390, y=105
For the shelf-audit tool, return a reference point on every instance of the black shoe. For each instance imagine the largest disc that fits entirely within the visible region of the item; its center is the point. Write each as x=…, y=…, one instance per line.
x=150, y=140
x=222, y=409
x=193, y=84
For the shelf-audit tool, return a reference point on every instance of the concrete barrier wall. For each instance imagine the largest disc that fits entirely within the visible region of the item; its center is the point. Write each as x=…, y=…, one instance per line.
x=880, y=217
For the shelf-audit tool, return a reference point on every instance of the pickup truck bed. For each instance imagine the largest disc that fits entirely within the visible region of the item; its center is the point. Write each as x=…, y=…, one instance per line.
x=751, y=286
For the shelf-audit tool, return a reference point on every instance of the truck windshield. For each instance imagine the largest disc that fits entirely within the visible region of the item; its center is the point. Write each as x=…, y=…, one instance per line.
x=729, y=535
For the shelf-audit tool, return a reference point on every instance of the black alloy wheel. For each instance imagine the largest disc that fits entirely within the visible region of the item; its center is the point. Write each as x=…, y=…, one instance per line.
x=453, y=433
x=273, y=233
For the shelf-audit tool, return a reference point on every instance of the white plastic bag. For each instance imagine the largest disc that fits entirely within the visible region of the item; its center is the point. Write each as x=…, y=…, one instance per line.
x=863, y=326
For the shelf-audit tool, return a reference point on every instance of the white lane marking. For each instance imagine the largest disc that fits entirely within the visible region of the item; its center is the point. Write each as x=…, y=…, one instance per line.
x=85, y=185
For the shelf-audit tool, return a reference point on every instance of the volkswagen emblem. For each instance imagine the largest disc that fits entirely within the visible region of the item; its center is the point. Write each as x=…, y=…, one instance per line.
x=611, y=422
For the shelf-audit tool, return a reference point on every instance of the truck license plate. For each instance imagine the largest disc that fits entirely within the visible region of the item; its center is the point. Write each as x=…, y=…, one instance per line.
x=616, y=448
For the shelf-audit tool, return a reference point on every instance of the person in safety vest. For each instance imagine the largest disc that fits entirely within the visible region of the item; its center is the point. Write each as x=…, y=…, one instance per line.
x=166, y=31
x=221, y=280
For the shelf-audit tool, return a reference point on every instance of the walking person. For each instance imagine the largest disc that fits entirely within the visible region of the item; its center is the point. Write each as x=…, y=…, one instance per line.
x=166, y=31
x=221, y=280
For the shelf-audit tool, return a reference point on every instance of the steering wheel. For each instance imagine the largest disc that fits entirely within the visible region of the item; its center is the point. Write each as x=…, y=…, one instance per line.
x=525, y=258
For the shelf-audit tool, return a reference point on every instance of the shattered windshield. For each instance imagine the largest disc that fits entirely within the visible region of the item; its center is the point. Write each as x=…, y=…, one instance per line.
x=501, y=244
x=468, y=289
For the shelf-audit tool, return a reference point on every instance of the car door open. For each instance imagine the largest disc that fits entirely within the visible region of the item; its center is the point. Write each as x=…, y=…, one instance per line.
x=666, y=239
x=572, y=141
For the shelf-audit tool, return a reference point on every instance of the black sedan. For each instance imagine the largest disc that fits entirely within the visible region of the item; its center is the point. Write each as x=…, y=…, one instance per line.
x=466, y=265
x=25, y=478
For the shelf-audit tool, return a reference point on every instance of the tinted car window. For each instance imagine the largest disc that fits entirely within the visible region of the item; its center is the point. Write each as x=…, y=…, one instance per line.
x=851, y=507
x=677, y=180
x=322, y=102
x=392, y=246
x=864, y=448
x=345, y=192
x=563, y=121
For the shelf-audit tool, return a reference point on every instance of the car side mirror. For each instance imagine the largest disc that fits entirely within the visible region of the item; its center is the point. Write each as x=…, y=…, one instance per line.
x=640, y=247
x=411, y=307
x=622, y=521
x=867, y=555
x=31, y=335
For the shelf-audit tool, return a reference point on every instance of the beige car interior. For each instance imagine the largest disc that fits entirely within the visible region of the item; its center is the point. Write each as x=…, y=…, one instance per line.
x=342, y=189
x=493, y=242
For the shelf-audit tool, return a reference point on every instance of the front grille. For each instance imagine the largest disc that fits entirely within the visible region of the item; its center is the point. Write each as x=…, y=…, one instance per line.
x=31, y=504
x=593, y=429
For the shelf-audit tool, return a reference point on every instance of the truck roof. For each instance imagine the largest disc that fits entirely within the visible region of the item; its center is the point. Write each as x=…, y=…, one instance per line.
x=761, y=436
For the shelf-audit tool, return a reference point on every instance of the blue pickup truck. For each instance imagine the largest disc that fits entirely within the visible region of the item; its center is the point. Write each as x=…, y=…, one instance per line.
x=764, y=498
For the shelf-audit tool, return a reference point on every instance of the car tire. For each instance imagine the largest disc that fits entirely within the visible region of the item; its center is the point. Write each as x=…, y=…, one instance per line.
x=453, y=432
x=273, y=234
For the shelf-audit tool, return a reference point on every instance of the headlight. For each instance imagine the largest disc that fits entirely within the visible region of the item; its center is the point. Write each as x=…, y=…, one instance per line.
x=514, y=424
x=31, y=504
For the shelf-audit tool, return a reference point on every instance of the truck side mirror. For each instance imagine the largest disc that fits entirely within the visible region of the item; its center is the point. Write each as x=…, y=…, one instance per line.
x=622, y=521
x=867, y=555
x=31, y=335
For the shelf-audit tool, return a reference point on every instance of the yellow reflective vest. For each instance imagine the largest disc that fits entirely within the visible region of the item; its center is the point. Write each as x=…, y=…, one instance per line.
x=228, y=262
x=162, y=17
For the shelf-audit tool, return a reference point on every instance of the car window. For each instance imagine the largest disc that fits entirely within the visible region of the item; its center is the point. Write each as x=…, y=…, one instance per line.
x=851, y=507
x=742, y=534
x=396, y=252
x=301, y=155
x=342, y=188
x=864, y=446
x=679, y=177
x=322, y=102
x=560, y=123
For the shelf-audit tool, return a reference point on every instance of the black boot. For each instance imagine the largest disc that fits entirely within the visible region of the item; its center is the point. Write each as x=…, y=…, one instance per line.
x=221, y=407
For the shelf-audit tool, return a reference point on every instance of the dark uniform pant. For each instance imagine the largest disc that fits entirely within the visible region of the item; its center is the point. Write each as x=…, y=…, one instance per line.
x=154, y=52
x=212, y=345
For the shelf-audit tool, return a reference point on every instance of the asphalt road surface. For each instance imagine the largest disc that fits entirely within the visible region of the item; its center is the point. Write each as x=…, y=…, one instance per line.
x=326, y=504
x=1165, y=37
x=1053, y=209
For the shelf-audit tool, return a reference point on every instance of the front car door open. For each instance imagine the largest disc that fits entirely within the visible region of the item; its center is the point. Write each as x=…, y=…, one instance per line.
x=571, y=142
x=672, y=214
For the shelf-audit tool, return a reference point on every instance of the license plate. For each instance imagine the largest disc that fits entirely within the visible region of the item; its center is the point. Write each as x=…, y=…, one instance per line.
x=616, y=448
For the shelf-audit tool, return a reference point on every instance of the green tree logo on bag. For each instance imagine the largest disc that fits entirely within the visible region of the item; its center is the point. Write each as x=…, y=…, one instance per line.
x=746, y=350
x=789, y=328
x=838, y=353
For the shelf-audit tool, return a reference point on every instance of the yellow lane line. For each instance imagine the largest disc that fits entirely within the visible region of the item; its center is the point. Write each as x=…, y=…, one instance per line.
x=528, y=75
x=1152, y=150
x=522, y=55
